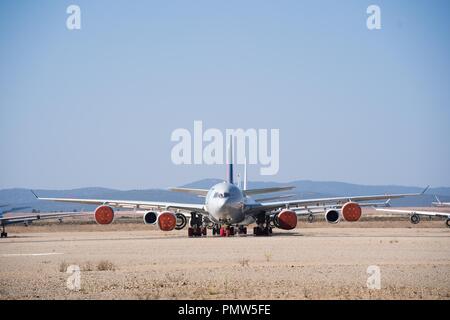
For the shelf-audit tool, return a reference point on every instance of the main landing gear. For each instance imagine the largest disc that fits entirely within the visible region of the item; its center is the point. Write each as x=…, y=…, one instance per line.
x=242, y=230
x=196, y=226
x=263, y=227
x=4, y=234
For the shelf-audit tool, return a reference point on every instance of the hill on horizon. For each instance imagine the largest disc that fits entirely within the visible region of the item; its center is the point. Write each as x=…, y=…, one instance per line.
x=21, y=197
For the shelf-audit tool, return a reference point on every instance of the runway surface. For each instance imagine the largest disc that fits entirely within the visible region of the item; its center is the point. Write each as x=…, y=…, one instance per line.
x=312, y=263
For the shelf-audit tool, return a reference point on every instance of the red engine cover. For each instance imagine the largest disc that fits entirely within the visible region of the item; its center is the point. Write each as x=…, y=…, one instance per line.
x=167, y=221
x=351, y=211
x=287, y=219
x=104, y=215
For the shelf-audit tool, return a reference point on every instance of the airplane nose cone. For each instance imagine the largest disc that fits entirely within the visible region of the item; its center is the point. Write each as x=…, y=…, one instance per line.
x=223, y=209
x=229, y=208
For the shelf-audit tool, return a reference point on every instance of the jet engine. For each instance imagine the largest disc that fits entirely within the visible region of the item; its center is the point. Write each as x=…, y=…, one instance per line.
x=351, y=211
x=332, y=216
x=104, y=215
x=166, y=220
x=181, y=221
x=285, y=220
x=150, y=217
x=415, y=218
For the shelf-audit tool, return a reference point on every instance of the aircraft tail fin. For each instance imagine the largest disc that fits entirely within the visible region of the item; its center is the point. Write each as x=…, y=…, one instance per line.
x=437, y=199
x=245, y=174
x=387, y=203
x=230, y=161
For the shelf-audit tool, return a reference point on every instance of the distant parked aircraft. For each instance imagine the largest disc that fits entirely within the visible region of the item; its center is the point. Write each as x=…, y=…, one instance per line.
x=28, y=218
x=415, y=215
x=438, y=203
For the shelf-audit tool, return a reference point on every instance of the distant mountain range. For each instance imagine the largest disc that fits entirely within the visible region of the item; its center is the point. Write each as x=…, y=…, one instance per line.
x=20, y=197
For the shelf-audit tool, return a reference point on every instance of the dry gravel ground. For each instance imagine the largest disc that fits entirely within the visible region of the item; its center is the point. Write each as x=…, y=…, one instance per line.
x=315, y=261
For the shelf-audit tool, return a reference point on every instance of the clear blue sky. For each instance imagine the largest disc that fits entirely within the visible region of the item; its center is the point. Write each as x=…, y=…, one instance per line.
x=96, y=107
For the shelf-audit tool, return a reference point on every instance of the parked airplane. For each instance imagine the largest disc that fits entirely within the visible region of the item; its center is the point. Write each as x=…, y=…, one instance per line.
x=28, y=218
x=438, y=203
x=10, y=210
x=415, y=215
x=227, y=207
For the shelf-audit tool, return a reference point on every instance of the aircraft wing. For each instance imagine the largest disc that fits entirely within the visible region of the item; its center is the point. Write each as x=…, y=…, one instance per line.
x=322, y=209
x=423, y=213
x=337, y=200
x=130, y=204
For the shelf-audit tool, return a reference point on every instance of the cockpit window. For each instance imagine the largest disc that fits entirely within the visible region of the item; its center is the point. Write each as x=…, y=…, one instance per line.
x=221, y=195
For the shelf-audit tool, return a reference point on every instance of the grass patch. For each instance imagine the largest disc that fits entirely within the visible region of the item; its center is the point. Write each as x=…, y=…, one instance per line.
x=63, y=266
x=268, y=256
x=87, y=266
x=244, y=262
x=106, y=265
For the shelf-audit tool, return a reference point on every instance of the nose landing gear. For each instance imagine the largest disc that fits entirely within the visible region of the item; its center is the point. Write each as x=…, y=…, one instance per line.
x=226, y=231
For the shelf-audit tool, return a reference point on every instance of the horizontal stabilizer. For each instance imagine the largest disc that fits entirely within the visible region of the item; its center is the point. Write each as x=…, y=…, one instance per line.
x=275, y=198
x=266, y=190
x=198, y=192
